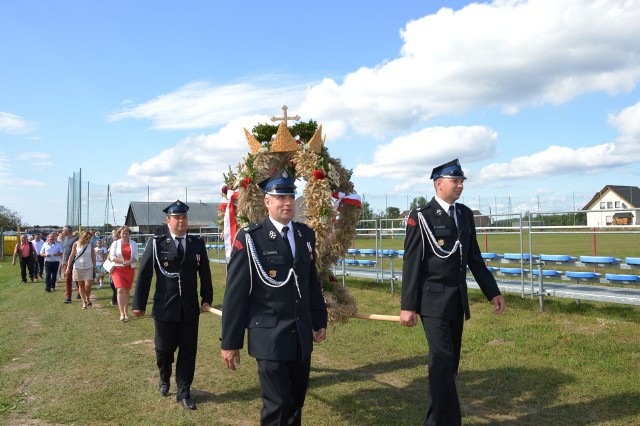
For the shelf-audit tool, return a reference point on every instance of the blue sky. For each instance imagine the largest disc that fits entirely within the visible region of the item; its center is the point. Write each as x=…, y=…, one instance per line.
x=538, y=99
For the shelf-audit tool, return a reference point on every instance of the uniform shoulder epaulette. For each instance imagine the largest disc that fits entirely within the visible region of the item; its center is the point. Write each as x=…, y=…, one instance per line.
x=252, y=227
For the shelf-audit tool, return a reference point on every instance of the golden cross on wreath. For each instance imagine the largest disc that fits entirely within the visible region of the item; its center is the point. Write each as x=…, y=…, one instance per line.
x=285, y=117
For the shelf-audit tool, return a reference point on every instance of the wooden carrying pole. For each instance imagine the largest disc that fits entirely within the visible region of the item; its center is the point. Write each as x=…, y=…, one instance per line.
x=375, y=317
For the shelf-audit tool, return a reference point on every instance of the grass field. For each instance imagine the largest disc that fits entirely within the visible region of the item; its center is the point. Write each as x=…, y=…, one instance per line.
x=571, y=365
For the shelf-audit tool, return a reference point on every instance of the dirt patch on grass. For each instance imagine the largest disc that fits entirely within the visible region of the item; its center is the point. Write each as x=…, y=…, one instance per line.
x=144, y=342
x=602, y=325
x=498, y=341
x=23, y=420
x=17, y=366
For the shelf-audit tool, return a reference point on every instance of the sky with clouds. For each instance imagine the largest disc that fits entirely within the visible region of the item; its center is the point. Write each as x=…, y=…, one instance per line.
x=538, y=99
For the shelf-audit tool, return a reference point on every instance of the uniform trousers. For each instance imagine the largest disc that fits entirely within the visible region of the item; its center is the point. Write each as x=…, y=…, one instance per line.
x=182, y=335
x=444, y=337
x=284, y=387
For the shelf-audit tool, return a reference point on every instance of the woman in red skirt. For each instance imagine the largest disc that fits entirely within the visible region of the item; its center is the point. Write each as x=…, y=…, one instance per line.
x=124, y=254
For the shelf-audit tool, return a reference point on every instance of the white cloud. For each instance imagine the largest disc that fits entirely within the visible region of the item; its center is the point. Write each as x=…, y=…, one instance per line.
x=197, y=160
x=508, y=53
x=560, y=160
x=411, y=157
x=12, y=123
x=201, y=105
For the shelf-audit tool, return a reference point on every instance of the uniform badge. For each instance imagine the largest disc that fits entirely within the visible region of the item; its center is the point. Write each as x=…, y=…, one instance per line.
x=439, y=212
x=411, y=222
x=272, y=235
x=273, y=273
x=299, y=234
x=440, y=243
x=165, y=264
x=237, y=244
x=285, y=174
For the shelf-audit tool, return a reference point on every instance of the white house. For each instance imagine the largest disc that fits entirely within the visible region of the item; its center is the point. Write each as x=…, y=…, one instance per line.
x=614, y=205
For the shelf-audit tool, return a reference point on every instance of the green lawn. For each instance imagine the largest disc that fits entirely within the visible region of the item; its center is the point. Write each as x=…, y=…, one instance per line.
x=571, y=365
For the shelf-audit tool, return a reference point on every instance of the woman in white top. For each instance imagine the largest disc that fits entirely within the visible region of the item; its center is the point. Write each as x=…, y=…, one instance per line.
x=84, y=266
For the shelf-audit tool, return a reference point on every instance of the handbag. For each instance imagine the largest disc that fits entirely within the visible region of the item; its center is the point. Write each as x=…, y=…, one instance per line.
x=108, y=265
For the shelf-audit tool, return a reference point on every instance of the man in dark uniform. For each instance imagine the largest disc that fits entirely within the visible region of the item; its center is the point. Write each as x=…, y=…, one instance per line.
x=177, y=258
x=440, y=242
x=273, y=291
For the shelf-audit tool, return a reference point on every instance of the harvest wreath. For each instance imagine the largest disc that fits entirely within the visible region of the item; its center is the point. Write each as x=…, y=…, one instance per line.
x=331, y=207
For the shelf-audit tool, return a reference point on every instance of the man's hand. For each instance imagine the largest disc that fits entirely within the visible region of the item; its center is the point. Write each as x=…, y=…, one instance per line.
x=320, y=335
x=205, y=307
x=138, y=312
x=498, y=304
x=230, y=358
x=408, y=318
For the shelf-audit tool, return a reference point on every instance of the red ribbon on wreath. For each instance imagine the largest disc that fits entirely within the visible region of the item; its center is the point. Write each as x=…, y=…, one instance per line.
x=230, y=206
x=351, y=199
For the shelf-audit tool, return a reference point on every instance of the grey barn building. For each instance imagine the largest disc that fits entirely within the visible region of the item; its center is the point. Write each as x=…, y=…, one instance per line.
x=146, y=217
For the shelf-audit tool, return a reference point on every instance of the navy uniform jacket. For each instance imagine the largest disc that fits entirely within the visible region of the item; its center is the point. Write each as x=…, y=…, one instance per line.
x=168, y=304
x=437, y=287
x=276, y=318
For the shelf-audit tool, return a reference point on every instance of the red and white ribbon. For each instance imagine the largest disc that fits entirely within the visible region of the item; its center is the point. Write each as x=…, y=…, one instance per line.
x=351, y=199
x=229, y=205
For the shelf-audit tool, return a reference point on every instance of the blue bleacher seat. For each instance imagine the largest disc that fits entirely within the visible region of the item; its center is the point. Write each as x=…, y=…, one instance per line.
x=585, y=275
x=599, y=259
x=388, y=253
x=353, y=251
x=621, y=277
x=518, y=256
x=492, y=269
x=632, y=260
x=366, y=262
x=367, y=252
x=548, y=273
x=350, y=262
x=490, y=256
x=400, y=253
x=557, y=258
x=511, y=271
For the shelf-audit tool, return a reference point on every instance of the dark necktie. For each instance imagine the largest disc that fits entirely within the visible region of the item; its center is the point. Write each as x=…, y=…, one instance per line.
x=180, y=248
x=285, y=230
x=452, y=215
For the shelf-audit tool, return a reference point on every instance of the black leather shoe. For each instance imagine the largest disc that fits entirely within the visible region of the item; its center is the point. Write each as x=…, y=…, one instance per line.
x=188, y=403
x=164, y=388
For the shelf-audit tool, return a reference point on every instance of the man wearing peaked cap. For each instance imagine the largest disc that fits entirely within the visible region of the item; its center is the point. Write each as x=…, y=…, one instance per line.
x=281, y=183
x=177, y=259
x=452, y=169
x=440, y=243
x=273, y=293
x=176, y=208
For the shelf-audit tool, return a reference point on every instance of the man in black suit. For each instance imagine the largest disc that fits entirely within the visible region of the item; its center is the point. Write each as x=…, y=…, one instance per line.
x=178, y=259
x=273, y=291
x=440, y=242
